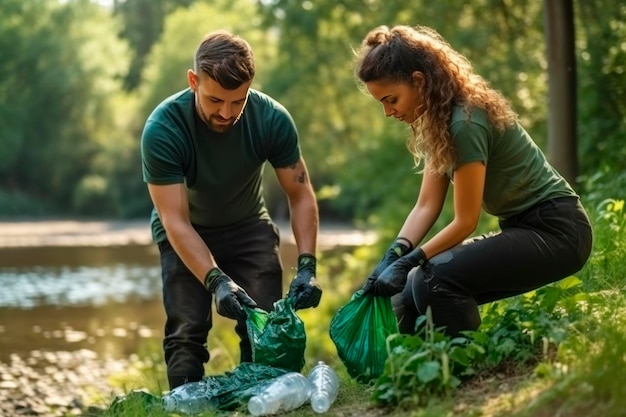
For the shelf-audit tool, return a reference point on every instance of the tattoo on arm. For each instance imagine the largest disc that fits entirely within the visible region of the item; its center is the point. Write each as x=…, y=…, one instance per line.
x=300, y=177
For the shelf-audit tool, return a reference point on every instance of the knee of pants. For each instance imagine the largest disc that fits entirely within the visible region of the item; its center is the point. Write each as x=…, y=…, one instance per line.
x=430, y=288
x=450, y=308
x=422, y=285
x=404, y=310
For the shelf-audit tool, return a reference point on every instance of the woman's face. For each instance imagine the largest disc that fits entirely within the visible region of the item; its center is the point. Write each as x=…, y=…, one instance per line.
x=399, y=99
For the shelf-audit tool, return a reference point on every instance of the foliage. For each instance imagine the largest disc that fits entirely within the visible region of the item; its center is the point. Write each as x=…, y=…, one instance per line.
x=424, y=365
x=520, y=328
x=601, y=65
x=588, y=365
x=605, y=268
x=431, y=364
x=81, y=155
x=15, y=203
x=143, y=22
x=56, y=91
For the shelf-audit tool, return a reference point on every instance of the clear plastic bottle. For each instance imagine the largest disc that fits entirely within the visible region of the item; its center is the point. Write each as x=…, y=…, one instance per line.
x=324, y=387
x=286, y=392
x=192, y=397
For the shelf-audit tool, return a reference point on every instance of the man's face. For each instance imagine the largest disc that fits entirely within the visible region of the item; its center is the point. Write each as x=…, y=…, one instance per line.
x=218, y=108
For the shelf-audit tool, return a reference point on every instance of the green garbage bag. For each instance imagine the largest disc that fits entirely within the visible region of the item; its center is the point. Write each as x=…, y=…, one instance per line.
x=224, y=392
x=277, y=338
x=359, y=331
x=133, y=401
x=235, y=388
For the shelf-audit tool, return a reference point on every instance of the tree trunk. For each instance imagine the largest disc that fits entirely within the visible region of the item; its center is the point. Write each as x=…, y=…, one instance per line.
x=562, y=139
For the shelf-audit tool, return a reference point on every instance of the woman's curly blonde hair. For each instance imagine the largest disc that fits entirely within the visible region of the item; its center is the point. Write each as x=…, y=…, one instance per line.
x=394, y=54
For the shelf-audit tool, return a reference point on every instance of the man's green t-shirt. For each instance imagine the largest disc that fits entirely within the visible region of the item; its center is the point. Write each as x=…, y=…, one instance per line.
x=221, y=171
x=518, y=175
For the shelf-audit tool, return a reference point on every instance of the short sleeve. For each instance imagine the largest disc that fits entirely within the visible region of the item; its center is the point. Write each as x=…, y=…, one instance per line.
x=472, y=142
x=162, y=155
x=285, y=145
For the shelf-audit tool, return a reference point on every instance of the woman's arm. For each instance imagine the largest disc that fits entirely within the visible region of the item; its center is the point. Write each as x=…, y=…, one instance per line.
x=469, y=184
x=429, y=203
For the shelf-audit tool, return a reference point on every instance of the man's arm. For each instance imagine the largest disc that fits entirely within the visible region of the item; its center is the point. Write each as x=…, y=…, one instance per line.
x=294, y=180
x=304, y=215
x=172, y=206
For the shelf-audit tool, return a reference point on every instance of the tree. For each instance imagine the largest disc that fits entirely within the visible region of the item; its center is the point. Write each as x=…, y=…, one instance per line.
x=142, y=27
x=57, y=83
x=562, y=135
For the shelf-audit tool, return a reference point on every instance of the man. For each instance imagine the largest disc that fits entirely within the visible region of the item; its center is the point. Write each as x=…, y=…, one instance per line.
x=203, y=152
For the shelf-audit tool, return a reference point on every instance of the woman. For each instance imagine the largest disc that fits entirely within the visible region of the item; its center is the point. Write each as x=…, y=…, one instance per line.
x=466, y=133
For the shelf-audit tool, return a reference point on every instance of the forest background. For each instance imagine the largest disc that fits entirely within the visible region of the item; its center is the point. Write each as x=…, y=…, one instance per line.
x=78, y=79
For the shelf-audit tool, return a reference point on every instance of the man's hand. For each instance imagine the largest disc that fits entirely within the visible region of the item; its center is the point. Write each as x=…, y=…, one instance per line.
x=393, y=279
x=395, y=251
x=304, y=288
x=229, y=297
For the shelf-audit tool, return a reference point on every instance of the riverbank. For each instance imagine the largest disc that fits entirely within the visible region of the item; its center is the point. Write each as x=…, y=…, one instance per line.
x=47, y=233
x=55, y=384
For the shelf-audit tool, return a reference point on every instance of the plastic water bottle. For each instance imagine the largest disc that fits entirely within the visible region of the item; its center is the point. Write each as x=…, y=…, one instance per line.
x=192, y=397
x=284, y=393
x=324, y=387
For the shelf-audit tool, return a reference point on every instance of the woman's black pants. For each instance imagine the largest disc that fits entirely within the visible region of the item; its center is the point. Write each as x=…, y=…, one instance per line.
x=544, y=244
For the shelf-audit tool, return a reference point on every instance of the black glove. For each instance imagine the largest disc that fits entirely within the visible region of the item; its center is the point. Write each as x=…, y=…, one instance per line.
x=393, y=279
x=304, y=288
x=395, y=251
x=229, y=296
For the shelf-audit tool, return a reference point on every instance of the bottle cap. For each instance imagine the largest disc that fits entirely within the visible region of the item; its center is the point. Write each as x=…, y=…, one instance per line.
x=169, y=403
x=320, y=403
x=256, y=406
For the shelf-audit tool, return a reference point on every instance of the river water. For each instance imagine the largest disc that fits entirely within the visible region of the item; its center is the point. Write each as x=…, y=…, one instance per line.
x=105, y=299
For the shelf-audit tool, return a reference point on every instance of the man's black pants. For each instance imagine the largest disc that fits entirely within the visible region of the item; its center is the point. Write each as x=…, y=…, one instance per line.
x=249, y=254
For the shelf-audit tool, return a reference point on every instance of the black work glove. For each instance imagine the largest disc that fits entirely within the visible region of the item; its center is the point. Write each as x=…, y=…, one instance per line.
x=304, y=288
x=395, y=251
x=229, y=297
x=393, y=279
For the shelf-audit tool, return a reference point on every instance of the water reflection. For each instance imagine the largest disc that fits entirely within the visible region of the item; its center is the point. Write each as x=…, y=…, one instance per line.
x=106, y=299
x=75, y=286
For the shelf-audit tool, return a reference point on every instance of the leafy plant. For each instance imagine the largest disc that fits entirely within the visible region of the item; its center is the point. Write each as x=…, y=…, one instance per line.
x=423, y=365
x=513, y=328
x=431, y=364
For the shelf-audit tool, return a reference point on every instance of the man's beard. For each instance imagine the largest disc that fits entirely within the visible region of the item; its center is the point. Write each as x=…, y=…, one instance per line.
x=210, y=122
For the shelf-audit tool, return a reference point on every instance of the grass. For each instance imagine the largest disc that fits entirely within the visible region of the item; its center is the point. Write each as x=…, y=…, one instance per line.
x=559, y=351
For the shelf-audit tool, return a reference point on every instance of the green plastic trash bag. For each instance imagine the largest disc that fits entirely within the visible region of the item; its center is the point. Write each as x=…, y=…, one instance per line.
x=359, y=330
x=132, y=402
x=277, y=338
x=224, y=392
x=235, y=388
